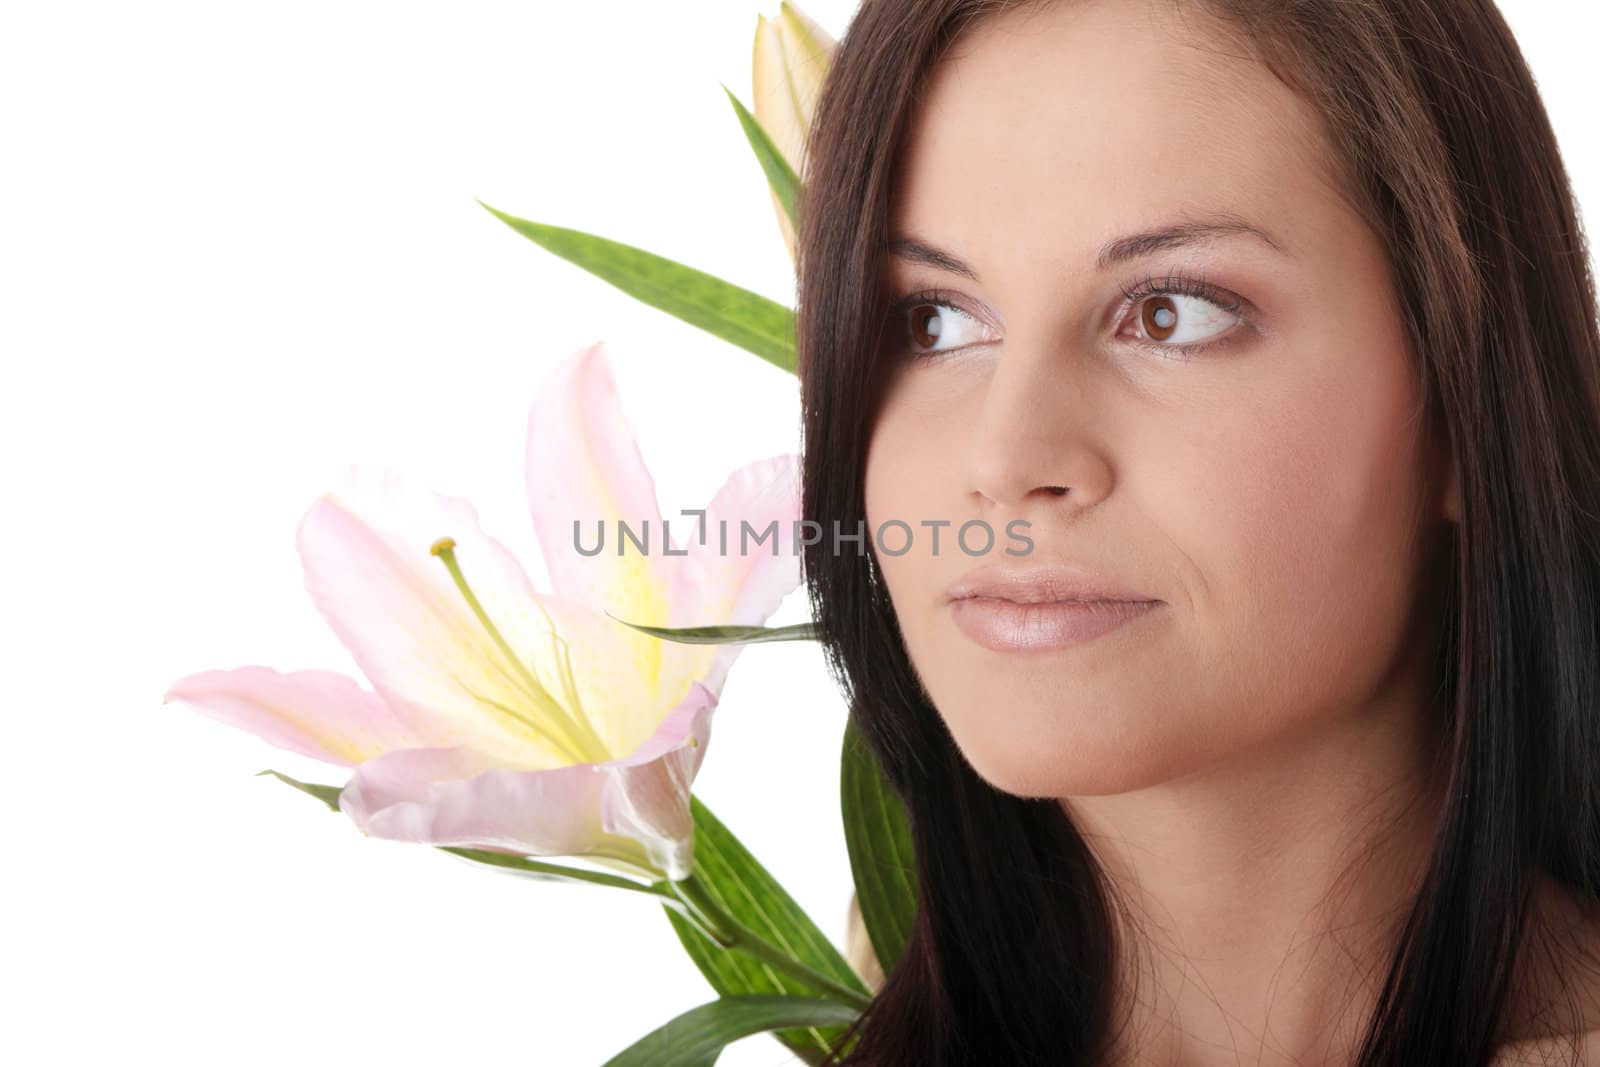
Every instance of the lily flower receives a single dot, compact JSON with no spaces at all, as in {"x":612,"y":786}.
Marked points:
{"x":500,"y":716}
{"x":792,"y":55}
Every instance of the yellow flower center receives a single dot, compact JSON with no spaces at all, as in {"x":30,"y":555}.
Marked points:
{"x":570,"y":732}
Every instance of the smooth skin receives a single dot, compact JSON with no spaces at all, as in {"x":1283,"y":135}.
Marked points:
{"x":1248,"y":760}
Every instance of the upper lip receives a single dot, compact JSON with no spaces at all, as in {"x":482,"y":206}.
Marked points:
{"x":1042,"y":584}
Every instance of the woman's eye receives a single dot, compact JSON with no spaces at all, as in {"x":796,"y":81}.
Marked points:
{"x":928,"y":323}
{"x":1177,"y":320}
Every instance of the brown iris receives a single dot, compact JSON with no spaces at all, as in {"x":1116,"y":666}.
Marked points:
{"x":1160,"y":317}
{"x":920,"y":315}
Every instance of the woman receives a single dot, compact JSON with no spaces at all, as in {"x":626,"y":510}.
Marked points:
{"x":1260,"y":338}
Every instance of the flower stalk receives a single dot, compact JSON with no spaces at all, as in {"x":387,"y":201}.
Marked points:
{"x":730,"y":933}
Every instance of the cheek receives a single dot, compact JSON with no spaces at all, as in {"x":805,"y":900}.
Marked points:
{"x":909,"y":477}
{"x":1298,"y":520}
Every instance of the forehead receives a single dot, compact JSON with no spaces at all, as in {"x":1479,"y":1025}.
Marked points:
{"x":1048,"y":128}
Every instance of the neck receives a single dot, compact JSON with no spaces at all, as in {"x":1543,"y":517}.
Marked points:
{"x":1263,"y":896}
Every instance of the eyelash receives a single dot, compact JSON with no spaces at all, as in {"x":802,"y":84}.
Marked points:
{"x":1174,"y":284}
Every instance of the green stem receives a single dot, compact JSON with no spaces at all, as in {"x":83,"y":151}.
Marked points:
{"x":549,"y":870}
{"x":734,"y":934}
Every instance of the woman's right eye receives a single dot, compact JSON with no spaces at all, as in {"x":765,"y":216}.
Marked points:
{"x":927,"y":322}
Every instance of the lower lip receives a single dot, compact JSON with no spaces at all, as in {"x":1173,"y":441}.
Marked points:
{"x":1007,"y":626}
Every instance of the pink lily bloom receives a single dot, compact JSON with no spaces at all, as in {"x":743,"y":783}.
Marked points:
{"x":507,"y":718}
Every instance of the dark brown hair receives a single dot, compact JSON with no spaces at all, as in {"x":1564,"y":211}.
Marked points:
{"x":1449,"y":155}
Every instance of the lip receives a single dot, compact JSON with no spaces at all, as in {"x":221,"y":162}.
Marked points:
{"x":1041,"y":607}
{"x":1048,"y":583}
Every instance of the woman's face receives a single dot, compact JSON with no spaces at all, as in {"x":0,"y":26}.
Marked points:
{"x":1240,"y":441}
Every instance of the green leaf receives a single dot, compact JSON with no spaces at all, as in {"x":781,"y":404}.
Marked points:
{"x":742,"y":887}
{"x":697,"y":1037}
{"x":877,"y":835}
{"x":727,"y":635}
{"x":785,"y":183}
{"x":721,"y":308}
{"x":328,"y":794}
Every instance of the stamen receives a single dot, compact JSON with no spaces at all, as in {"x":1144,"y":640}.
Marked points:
{"x":573,"y":740}
{"x":569,"y":684}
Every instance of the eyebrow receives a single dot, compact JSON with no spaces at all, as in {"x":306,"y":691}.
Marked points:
{"x":1118,"y":250}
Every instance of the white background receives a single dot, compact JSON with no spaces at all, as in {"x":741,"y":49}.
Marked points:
{"x":238,"y":250}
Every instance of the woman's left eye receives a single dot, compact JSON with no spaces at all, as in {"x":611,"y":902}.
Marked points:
{"x":1179,"y":320}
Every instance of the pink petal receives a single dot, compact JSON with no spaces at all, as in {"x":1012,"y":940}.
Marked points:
{"x":466,"y":797}
{"x":315,"y":713}
{"x":647,"y":798}
{"x":742,"y":586}
{"x":584,"y":466}
{"x":366,"y":549}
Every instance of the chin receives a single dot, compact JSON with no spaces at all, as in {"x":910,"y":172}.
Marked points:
{"x":1061,"y":747}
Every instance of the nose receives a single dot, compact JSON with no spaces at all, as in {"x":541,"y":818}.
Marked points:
{"x":1033,"y":438}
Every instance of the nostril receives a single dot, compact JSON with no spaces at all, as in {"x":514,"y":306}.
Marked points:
{"x":1057,"y":489}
